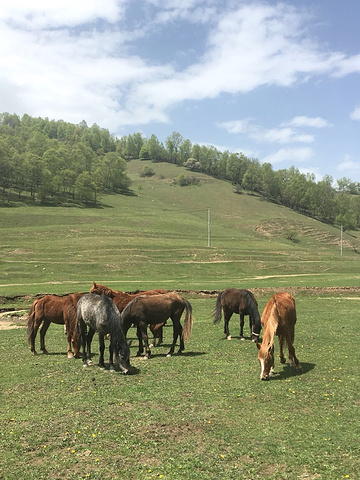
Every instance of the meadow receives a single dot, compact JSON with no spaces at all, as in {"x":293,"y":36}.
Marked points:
{"x":204,"y":414}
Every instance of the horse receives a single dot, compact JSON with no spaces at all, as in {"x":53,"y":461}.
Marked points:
{"x":54,"y":309}
{"x":243,"y":302}
{"x":99,"y":313}
{"x":156,"y":309}
{"x":121,"y":299}
{"x":278,"y":318}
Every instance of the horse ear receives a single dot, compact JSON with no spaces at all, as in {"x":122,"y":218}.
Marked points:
{"x":129,"y":343}
{"x":258,"y":345}
{"x":94,"y":283}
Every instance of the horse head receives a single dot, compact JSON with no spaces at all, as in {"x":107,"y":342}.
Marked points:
{"x":266,"y":360}
{"x":102,"y":290}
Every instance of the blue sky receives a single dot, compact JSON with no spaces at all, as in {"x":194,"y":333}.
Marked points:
{"x":278,"y":81}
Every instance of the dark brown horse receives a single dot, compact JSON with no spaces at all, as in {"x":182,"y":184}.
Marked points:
{"x":243,"y":302}
{"x":121,"y":299}
{"x":278,"y":318}
{"x":54,"y":309}
{"x":147,"y":310}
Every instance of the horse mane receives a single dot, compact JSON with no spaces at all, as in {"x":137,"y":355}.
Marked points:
{"x":270,"y":321}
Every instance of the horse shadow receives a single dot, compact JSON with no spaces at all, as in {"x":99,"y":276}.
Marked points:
{"x":290,"y":371}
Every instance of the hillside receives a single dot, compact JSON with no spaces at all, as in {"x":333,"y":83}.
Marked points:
{"x":159,"y":236}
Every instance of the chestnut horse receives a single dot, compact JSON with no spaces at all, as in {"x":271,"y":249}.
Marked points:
{"x":156,"y":309}
{"x":278,"y":318}
{"x":121,"y":299}
{"x":54,"y":309}
{"x":243,"y":302}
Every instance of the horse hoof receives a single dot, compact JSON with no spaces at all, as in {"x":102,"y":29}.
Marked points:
{"x":70,"y":355}
{"x":85,"y":365}
{"x":111,"y":370}
{"x":168,"y":355}
{"x":102,"y":367}
{"x":228,"y":337}
{"x":242,"y":338}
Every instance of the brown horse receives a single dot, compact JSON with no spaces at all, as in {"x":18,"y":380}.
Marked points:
{"x":121,"y":299}
{"x":54,"y":309}
{"x":243,"y":302}
{"x":156,"y":309}
{"x":278,"y":318}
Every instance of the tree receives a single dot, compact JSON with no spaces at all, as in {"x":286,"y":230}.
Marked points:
{"x":173,"y":143}
{"x":86,"y":188}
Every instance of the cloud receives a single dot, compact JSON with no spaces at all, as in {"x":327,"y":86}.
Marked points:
{"x":77,"y":60}
{"x":355,"y":114}
{"x":289,"y":155}
{"x":274,"y":135}
{"x":349,"y":167}
{"x":303,"y":121}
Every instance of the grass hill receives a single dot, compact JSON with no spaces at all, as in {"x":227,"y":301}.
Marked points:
{"x":158,"y":237}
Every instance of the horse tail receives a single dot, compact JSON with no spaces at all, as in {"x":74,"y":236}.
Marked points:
{"x":218,"y":308}
{"x":31,"y":320}
{"x":189,"y":321}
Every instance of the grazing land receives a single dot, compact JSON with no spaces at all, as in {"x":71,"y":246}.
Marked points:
{"x":204,"y":414}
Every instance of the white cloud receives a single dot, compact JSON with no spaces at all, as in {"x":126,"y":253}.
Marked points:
{"x":348,"y":167}
{"x":56,"y":60}
{"x":303,"y":121}
{"x":260,"y":134}
{"x":355,"y":114}
{"x":289,"y":155}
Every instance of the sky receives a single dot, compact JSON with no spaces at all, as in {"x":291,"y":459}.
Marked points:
{"x":277,"y":81}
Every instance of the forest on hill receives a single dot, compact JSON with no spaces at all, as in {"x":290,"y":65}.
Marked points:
{"x":56,"y":161}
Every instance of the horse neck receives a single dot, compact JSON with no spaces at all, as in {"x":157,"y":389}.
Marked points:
{"x":270,"y":324}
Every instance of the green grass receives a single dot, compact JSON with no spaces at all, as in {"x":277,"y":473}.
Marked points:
{"x":202,"y":415}
{"x":158,"y":238}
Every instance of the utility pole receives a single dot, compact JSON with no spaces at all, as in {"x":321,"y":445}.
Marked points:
{"x":341,"y":239}
{"x":208,"y":227}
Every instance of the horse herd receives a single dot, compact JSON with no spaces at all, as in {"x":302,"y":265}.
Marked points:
{"x":111,"y":313}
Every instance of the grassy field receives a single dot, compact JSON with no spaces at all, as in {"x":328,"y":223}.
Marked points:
{"x":158,"y":238}
{"x":202,"y":415}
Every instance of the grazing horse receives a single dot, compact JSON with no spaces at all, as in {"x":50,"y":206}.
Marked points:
{"x":278,"y":318}
{"x":54,"y":309}
{"x":99,"y":313}
{"x":156,"y":309}
{"x":121,"y":299}
{"x":243,"y":302}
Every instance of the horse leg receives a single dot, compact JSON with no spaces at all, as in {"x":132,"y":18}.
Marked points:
{"x":176,"y":331}
{"x":281,"y":353}
{"x":144,"y":338}
{"x":182,"y":345}
{"x":43,"y":331}
{"x":101,"y":351}
{"x":89,"y":338}
{"x":140,"y":338}
{"x":35,"y":329}
{"x":111,"y":357}
{"x":292,"y":357}
{"x":69,"y":336}
{"x":82,"y":328}
{"x":242,"y":318}
{"x":227,"y":316}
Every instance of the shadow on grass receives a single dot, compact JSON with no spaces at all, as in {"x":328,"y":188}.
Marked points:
{"x":289,"y":371}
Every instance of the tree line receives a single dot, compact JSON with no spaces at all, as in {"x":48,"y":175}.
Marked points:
{"x":62,"y":161}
